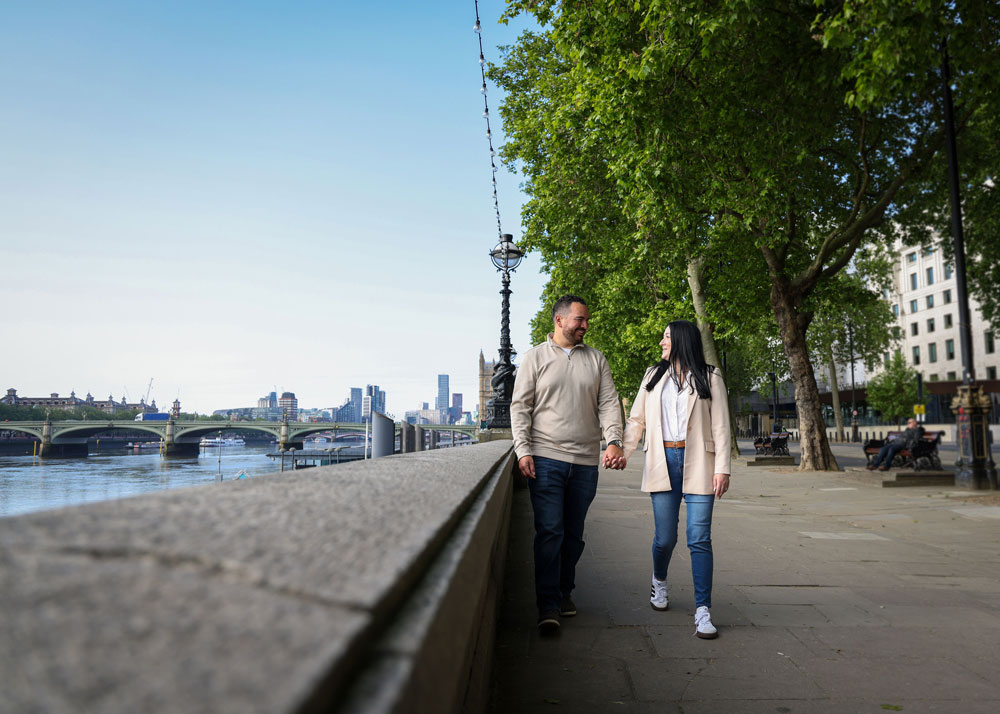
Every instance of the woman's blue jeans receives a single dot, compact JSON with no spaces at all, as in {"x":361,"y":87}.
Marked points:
{"x":561,"y":493}
{"x":666,"y":513}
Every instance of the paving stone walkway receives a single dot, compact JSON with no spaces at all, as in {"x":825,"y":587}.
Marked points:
{"x":831,"y":596}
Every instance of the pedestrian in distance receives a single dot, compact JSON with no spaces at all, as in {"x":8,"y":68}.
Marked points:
{"x":907,"y":440}
{"x":683,"y":407}
{"x":564,"y":400}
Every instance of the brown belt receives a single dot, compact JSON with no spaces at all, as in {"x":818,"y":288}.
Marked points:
{"x":673,"y":444}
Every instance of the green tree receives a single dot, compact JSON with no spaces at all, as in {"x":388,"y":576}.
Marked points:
{"x":776,"y":137}
{"x":852,"y":320}
{"x":893,"y":392}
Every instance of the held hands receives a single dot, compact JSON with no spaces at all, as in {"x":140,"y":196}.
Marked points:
{"x":614,"y":458}
{"x":721,"y":484}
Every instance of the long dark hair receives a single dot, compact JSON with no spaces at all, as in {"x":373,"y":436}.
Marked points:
{"x":686,"y":355}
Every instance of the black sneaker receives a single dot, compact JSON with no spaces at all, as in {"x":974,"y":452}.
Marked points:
{"x":567,"y":608}
{"x":548,"y":622}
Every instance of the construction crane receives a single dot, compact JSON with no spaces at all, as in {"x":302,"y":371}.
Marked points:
{"x":148,"y":390}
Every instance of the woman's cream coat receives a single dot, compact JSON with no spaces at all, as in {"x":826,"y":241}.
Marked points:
{"x":707,"y":440}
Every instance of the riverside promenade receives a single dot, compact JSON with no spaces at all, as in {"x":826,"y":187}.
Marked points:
{"x":831,"y":596}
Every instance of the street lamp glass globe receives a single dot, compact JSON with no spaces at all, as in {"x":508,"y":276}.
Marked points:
{"x":506,"y":255}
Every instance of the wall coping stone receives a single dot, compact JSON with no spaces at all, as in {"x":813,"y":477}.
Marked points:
{"x":244,"y":596}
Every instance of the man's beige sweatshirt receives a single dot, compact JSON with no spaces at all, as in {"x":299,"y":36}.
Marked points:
{"x":562,"y":401}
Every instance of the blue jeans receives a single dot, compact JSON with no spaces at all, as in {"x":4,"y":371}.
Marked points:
{"x":666,"y":513}
{"x":561,"y":493}
{"x":888,"y":452}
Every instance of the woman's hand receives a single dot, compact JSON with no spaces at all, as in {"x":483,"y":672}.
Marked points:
{"x":721,"y":484}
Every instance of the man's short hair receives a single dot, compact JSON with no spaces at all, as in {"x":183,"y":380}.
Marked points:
{"x":563,"y":303}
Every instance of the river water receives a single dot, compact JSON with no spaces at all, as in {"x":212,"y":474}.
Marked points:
{"x":32,"y":484}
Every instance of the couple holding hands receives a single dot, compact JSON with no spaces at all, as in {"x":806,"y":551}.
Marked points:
{"x":564,"y":401}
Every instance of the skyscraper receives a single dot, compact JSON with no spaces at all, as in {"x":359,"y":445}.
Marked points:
{"x":378,"y":397}
{"x":289,"y":405}
{"x":356,"y":394}
{"x":441,"y":402}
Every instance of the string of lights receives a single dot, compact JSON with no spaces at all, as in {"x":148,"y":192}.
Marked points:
{"x":478,"y":29}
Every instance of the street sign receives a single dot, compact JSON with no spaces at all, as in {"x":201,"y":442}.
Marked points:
{"x":854,"y":413}
{"x":919,"y":409}
{"x":366,"y":407}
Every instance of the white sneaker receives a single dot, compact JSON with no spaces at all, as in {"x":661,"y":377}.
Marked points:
{"x":658,"y":594}
{"x":703,"y":624}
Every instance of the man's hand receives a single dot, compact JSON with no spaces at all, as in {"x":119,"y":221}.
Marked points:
{"x":721,"y":484}
{"x":614,"y":458}
{"x":527,"y":466}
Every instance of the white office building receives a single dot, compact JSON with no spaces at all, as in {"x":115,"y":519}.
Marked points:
{"x":924,"y":299}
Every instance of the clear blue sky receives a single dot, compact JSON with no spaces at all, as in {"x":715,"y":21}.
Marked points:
{"x":230,"y":197}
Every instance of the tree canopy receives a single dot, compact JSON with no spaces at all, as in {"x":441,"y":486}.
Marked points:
{"x":772,"y":139}
{"x":893,"y":391}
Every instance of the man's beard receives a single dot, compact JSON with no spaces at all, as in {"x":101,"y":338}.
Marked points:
{"x":573,"y":337}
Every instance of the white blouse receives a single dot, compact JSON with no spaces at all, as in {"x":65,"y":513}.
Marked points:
{"x":673,"y":409}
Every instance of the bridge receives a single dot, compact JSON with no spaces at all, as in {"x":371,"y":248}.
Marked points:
{"x":182,"y":438}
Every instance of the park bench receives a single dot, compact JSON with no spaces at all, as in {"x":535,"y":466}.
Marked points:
{"x":772,"y":445}
{"x":922,"y":457}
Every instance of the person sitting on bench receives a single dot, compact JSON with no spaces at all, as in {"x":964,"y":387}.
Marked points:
{"x":907,"y":440}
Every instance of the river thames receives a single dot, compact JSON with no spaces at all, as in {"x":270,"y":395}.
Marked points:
{"x":30,"y":484}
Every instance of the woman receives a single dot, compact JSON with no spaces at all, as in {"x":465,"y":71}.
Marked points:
{"x":682,"y":403}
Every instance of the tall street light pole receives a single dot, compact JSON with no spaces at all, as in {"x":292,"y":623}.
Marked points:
{"x":506,"y":256}
{"x":974,"y":468}
{"x":854,"y":404}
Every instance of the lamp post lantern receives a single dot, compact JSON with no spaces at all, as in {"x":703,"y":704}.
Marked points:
{"x":506,"y":256}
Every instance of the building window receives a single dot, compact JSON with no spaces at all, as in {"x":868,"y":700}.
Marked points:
{"x":949,"y":349}
{"x":913,"y":281}
{"x":991,"y":346}
{"x":914,"y":329}
{"x":933,"y":378}
{"x":930,"y":301}
{"x":932,"y":352}
{"x":928,"y":252}
{"x":911,"y":257}
{"x":930,"y":276}
{"x":951,"y":376}
{"x":947,"y":270}
{"x":885,"y":358}
{"x":947,"y":320}
{"x":913,"y":305}
{"x":895,"y":310}
{"x":991,"y":373}
{"x":895,"y":332}
{"x":916,"y":355}
{"x":930,"y":324}
{"x":946,"y":296}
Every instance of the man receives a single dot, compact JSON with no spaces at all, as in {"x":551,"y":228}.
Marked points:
{"x":907,"y":440}
{"x":563,"y":398}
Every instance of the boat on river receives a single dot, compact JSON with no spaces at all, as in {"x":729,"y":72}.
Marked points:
{"x":221,"y":441}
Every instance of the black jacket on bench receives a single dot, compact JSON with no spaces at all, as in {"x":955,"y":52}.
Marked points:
{"x":911,"y":437}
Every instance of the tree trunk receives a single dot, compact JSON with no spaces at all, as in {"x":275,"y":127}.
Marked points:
{"x":708,"y":340}
{"x":816,"y":453}
{"x":835,"y":393}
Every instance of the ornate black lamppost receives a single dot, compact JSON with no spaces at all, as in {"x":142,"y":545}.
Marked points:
{"x":974,"y":468}
{"x":506,"y":256}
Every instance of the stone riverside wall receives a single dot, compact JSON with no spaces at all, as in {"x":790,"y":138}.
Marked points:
{"x":362,"y":587}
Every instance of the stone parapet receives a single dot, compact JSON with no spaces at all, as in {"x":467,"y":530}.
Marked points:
{"x":369,"y":586}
